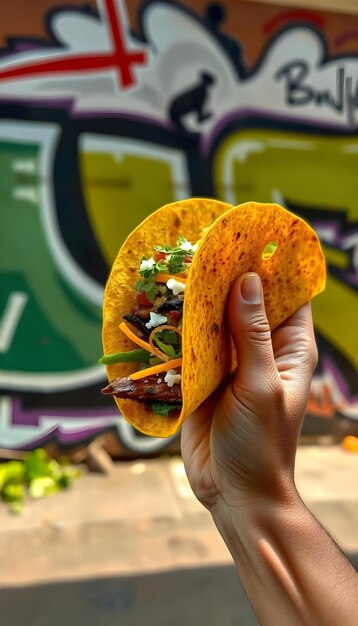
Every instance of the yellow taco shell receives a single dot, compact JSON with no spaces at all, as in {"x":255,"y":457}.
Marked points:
{"x":238,"y":240}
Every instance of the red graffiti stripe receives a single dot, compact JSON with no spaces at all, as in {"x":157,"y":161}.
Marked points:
{"x":306,"y":16}
{"x":124,"y":58}
{"x":120,"y":59}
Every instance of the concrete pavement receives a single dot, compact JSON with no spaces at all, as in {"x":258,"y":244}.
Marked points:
{"x":137,"y":545}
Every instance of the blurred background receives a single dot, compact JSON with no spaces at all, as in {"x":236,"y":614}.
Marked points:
{"x":108,"y":110}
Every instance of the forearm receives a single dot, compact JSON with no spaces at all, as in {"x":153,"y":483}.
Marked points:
{"x":292,"y":571}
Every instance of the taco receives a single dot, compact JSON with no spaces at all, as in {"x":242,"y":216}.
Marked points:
{"x":166,"y":344}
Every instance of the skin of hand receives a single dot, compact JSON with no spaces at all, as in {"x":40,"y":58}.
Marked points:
{"x":242,"y":441}
{"x":239,"y":451}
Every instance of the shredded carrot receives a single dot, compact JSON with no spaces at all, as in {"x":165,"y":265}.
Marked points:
{"x":157,"y":369}
{"x":143,"y":344}
{"x":163,"y":278}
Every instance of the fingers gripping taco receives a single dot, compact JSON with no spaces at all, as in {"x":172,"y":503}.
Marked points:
{"x":165,"y":340}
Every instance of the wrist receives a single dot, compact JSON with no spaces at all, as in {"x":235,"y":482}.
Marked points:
{"x":248,"y":516}
{"x":274,"y":490}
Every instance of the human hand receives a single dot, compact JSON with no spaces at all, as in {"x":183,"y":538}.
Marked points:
{"x":242,"y":441}
{"x":239,"y":451}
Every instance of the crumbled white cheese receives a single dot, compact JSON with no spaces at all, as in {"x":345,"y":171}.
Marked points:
{"x":186,"y":245}
{"x":175,"y":286}
{"x":171,"y":378}
{"x":156,"y":320}
{"x":160,"y":380}
{"x":146,"y":264}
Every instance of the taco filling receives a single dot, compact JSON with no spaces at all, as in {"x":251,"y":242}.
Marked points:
{"x":155,"y":325}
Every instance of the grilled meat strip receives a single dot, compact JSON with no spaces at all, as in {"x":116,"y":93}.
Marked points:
{"x":146,"y":389}
{"x":138,"y":323}
{"x":175,"y":304}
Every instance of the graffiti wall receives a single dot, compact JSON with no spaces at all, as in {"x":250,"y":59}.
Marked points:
{"x":109,"y":110}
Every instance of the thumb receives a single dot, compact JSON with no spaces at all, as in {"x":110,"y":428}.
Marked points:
{"x":251,"y":334}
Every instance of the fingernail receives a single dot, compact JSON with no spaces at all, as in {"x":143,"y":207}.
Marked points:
{"x":251,"y":289}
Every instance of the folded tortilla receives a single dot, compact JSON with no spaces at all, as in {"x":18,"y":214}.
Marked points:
{"x":252,"y":237}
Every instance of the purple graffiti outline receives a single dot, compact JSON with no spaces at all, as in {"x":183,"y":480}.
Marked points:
{"x":351,"y":278}
{"x":330,"y":367}
{"x":31,"y":417}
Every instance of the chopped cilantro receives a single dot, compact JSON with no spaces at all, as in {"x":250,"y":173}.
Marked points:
{"x":148,"y":272}
{"x":157,"y":268}
{"x":160,"y":267}
{"x":162,"y":408}
{"x":168,"y":342}
{"x":169,"y":336}
{"x":167,"y":349}
{"x":166,"y":249}
{"x":176,"y":248}
{"x":176,"y":262}
{"x":149,"y":287}
{"x":172,"y":264}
